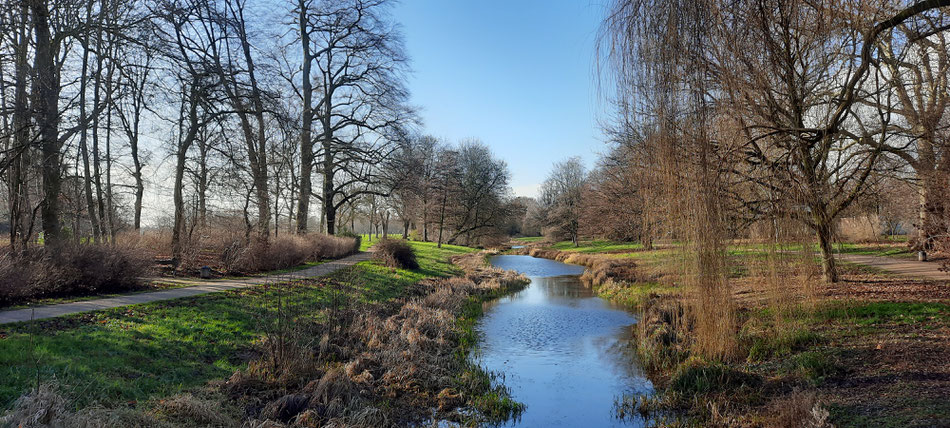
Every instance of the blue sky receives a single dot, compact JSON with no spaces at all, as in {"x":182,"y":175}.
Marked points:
{"x":518,"y":75}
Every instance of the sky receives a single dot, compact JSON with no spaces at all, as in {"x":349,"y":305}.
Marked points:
{"x":519,"y":75}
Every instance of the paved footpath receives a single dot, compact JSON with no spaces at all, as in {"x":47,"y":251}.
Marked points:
{"x":910,"y":268}
{"x":201,"y":287}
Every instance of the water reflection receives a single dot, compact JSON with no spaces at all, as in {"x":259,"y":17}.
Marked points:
{"x":565,"y":353}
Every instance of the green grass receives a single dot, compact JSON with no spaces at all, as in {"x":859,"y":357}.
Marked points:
{"x":879,"y":313}
{"x":368,"y":240}
{"x":696,"y":377}
{"x":636,"y":294}
{"x":597,"y":246}
{"x":782,"y":344}
{"x":530,"y":239}
{"x":154,"y":350}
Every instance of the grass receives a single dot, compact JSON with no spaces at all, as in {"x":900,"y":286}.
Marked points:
{"x":880,"y":313}
{"x":634,"y":295}
{"x":699,"y":377}
{"x":529,"y":239}
{"x":597,"y":246}
{"x":134,"y":353}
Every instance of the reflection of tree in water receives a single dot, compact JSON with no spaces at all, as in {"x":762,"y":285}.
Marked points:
{"x":563,"y":286}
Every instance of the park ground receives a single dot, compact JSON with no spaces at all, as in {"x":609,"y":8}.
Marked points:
{"x":137,"y":358}
{"x":870,"y":350}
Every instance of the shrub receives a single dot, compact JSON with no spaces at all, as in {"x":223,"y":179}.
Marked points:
{"x":291,"y":250}
{"x":396,"y":253}
{"x":73,"y":270}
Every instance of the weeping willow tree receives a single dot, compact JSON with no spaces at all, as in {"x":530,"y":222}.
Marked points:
{"x":664,"y":95}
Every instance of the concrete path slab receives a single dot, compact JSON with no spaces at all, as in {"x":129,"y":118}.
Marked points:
{"x":202,"y":287}
{"x":909,"y":268}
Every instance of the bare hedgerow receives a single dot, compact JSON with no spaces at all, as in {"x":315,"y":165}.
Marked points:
{"x":68,"y":270}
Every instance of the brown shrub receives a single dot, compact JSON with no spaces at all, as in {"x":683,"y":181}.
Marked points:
{"x":291,"y":250}
{"x":228,"y":250}
{"x":74,"y":270}
{"x":396,"y":253}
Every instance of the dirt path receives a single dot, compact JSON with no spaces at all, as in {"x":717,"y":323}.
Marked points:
{"x":910,"y":268}
{"x":201,"y":287}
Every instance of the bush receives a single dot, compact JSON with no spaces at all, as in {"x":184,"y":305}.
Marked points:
{"x":73,"y":270}
{"x":292,"y":250}
{"x":396,"y":253}
{"x":227,"y":251}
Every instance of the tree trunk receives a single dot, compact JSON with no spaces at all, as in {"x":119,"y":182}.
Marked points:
{"x":84,"y":136}
{"x":96,"y":162}
{"x":203,"y":183}
{"x":306,"y":142}
{"x":329,"y":209}
{"x":46,"y":111}
{"x":442,"y":218}
{"x":425,"y":221}
{"x":139,"y":183}
{"x":19,"y":201}
{"x":110,"y":208}
{"x":181,"y":156}
{"x":829,"y":270}
{"x":927,"y":190}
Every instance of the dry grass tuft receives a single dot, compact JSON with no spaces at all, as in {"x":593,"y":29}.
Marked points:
{"x":194,"y":410}
{"x":46,"y":407}
{"x":800,"y":409}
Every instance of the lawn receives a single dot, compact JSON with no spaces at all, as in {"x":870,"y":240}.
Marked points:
{"x":598,"y":246}
{"x":134,"y":353}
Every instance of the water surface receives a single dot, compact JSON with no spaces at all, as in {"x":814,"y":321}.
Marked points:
{"x":564,"y":352}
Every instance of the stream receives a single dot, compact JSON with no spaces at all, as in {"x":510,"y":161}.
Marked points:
{"x":564,"y":352}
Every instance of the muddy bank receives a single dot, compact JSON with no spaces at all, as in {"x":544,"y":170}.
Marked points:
{"x":397,"y":363}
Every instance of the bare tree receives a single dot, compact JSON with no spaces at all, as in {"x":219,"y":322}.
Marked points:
{"x":914,"y":60}
{"x":480,"y":185}
{"x":560,"y":199}
{"x":355,"y":62}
